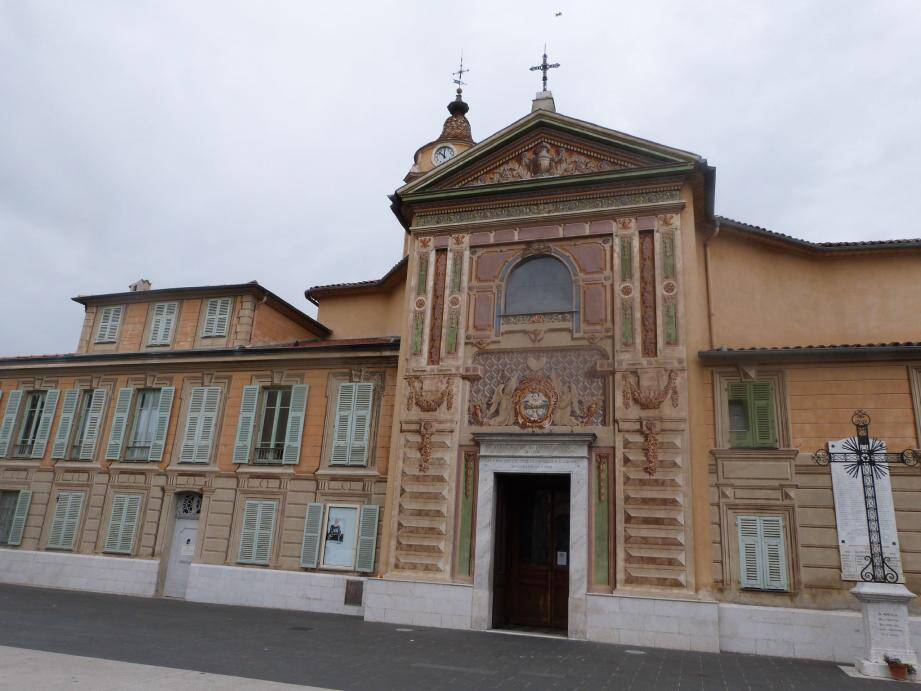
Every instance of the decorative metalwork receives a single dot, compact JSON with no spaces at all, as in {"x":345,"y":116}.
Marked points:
{"x":544,"y":68}
{"x":188,"y":505}
{"x":865,"y":457}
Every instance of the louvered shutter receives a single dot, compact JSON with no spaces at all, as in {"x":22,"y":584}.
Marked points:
{"x":242,"y":445}
{"x":9,"y":420}
{"x":93,"y":424}
{"x":738,"y":391}
{"x":774,"y":556}
{"x":207,"y":424}
{"x":217,"y":317}
{"x":119,"y":424}
{"x":294,"y":432}
{"x":164,"y":409}
{"x":313,"y":526}
{"x":66,"y":519}
{"x":763,"y":424}
{"x":256,"y":532}
{"x":44,"y":425}
{"x":750,"y":554}
{"x":343,"y":427}
{"x":62,"y":436}
{"x":109,"y":322}
{"x":20,"y":514}
{"x":210,"y":318}
{"x":265,"y":532}
{"x":126,"y":509}
{"x":193,"y":418}
{"x":367,"y":538}
{"x":361,"y":424}
{"x":162,"y":323}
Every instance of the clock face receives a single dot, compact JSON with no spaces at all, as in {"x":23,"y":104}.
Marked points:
{"x":442,"y":154}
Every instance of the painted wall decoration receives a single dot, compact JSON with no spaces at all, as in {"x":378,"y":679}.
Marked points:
{"x":649,"y":399}
{"x":428,"y":402}
{"x":537,"y":389}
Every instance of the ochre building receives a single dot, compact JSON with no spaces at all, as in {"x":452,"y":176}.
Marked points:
{"x":581,"y":402}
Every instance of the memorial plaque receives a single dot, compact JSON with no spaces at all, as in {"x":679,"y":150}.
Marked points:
{"x":851,"y":517}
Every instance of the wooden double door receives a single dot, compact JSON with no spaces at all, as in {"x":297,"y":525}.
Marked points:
{"x":531,"y":576}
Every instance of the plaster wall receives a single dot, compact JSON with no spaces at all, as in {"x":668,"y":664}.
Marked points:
{"x":364,"y":315}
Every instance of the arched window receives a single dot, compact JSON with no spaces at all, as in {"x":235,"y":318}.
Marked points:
{"x":540,"y":284}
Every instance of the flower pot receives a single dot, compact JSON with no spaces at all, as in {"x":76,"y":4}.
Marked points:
{"x":898,"y":671}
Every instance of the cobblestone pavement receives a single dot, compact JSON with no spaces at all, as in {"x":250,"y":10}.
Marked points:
{"x":342,"y":652}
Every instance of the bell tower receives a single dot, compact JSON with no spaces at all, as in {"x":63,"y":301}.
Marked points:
{"x":455,"y":135}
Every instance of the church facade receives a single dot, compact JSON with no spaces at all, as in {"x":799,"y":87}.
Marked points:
{"x":582,"y":402}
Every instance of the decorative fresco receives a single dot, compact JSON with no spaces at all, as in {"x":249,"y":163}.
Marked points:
{"x":538,"y":389}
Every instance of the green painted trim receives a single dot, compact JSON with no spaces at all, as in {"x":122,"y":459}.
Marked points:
{"x":671,"y":323}
{"x":465,"y":527}
{"x":626,"y":259}
{"x":418,"y":325}
{"x":602,"y":537}
{"x":626,"y":322}
{"x":453,"y":327}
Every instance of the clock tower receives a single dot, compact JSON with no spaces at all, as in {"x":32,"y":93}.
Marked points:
{"x":455,"y":138}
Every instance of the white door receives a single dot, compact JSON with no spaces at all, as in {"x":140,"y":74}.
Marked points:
{"x":182,"y":548}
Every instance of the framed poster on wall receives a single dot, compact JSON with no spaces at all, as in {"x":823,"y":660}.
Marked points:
{"x":340,"y":533}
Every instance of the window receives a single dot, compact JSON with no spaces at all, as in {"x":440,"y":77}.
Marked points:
{"x":353,"y":424}
{"x":109,"y":321}
{"x":28,"y":429}
{"x":201,"y":421}
{"x":82,"y":421}
{"x":762,"y":555}
{"x":276,"y":403}
{"x":332,"y":531}
{"x":63,"y":531}
{"x":540,"y":284}
{"x":217,"y":317}
{"x":752,"y":422}
{"x":281,"y":412}
{"x":162,"y":323}
{"x":14,"y":510}
{"x":145,"y":425}
{"x":123,"y":522}
{"x":257,"y":531}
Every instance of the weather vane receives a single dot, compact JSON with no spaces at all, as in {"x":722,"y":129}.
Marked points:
{"x":544,"y":67}
{"x":460,"y":73}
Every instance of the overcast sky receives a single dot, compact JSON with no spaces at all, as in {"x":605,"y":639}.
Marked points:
{"x":195,"y":143}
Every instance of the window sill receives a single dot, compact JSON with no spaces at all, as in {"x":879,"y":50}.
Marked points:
{"x":192,"y":468}
{"x":353,"y":472}
{"x":78,"y":465}
{"x":21,"y":462}
{"x":149,"y":466}
{"x":263,"y":469}
{"x":729,"y":454}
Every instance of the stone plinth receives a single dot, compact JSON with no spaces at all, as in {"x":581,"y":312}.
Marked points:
{"x":885,"y":623}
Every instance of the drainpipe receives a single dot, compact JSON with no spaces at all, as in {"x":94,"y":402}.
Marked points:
{"x":716,"y":231}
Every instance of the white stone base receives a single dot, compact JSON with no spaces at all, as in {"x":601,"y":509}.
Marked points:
{"x":101,"y":574}
{"x":254,"y":587}
{"x":653,"y":622}
{"x":444,"y":605}
{"x":886,"y":628}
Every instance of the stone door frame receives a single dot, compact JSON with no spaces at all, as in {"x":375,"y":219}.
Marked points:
{"x":532,"y":453}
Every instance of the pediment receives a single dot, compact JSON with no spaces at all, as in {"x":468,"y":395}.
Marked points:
{"x":547,"y":146}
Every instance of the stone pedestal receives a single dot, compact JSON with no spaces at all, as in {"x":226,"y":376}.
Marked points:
{"x":885,"y":624}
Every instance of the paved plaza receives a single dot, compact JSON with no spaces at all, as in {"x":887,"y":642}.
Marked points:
{"x":57,"y":639}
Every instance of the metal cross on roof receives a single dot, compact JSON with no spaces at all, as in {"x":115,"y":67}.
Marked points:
{"x":460,"y":73}
{"x":865,"y":457}
{"x":544,"y":67}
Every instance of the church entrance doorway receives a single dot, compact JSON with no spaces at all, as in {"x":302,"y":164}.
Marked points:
{"x":531,"y":573}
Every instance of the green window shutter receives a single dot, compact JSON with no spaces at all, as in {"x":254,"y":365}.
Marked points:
{"x":342,"y":433}
{"x":206,"y":425}
{"x":162,"y":323}
{"x":126,"y":509}
{"x":109,"y":322}
{"x":367,"y":538}
{"x":750,"y":553}
{"x":192,"y":423}
{"x":294,"y":431}
{"x":20,"y":514}
{"x":62,"y":436}
{"x":164,"y":409}
{"x":773,"y":555}
{"x":313,"y":527}
{"x":257,"y":531}
{"x":740,"y":433}
{"x":9,"y":420}
{"x":44,"y":425}
{"x":93,"y":424}
{"x":361,"y":424}
{"x":119,"y":424}
{"x":217,"y":317}
{"x":243,"y":444}
{"x":763,"y":423}
{"x":63,"y":529}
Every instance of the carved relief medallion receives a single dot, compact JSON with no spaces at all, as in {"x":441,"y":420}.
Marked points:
{"x":535,"y":400}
